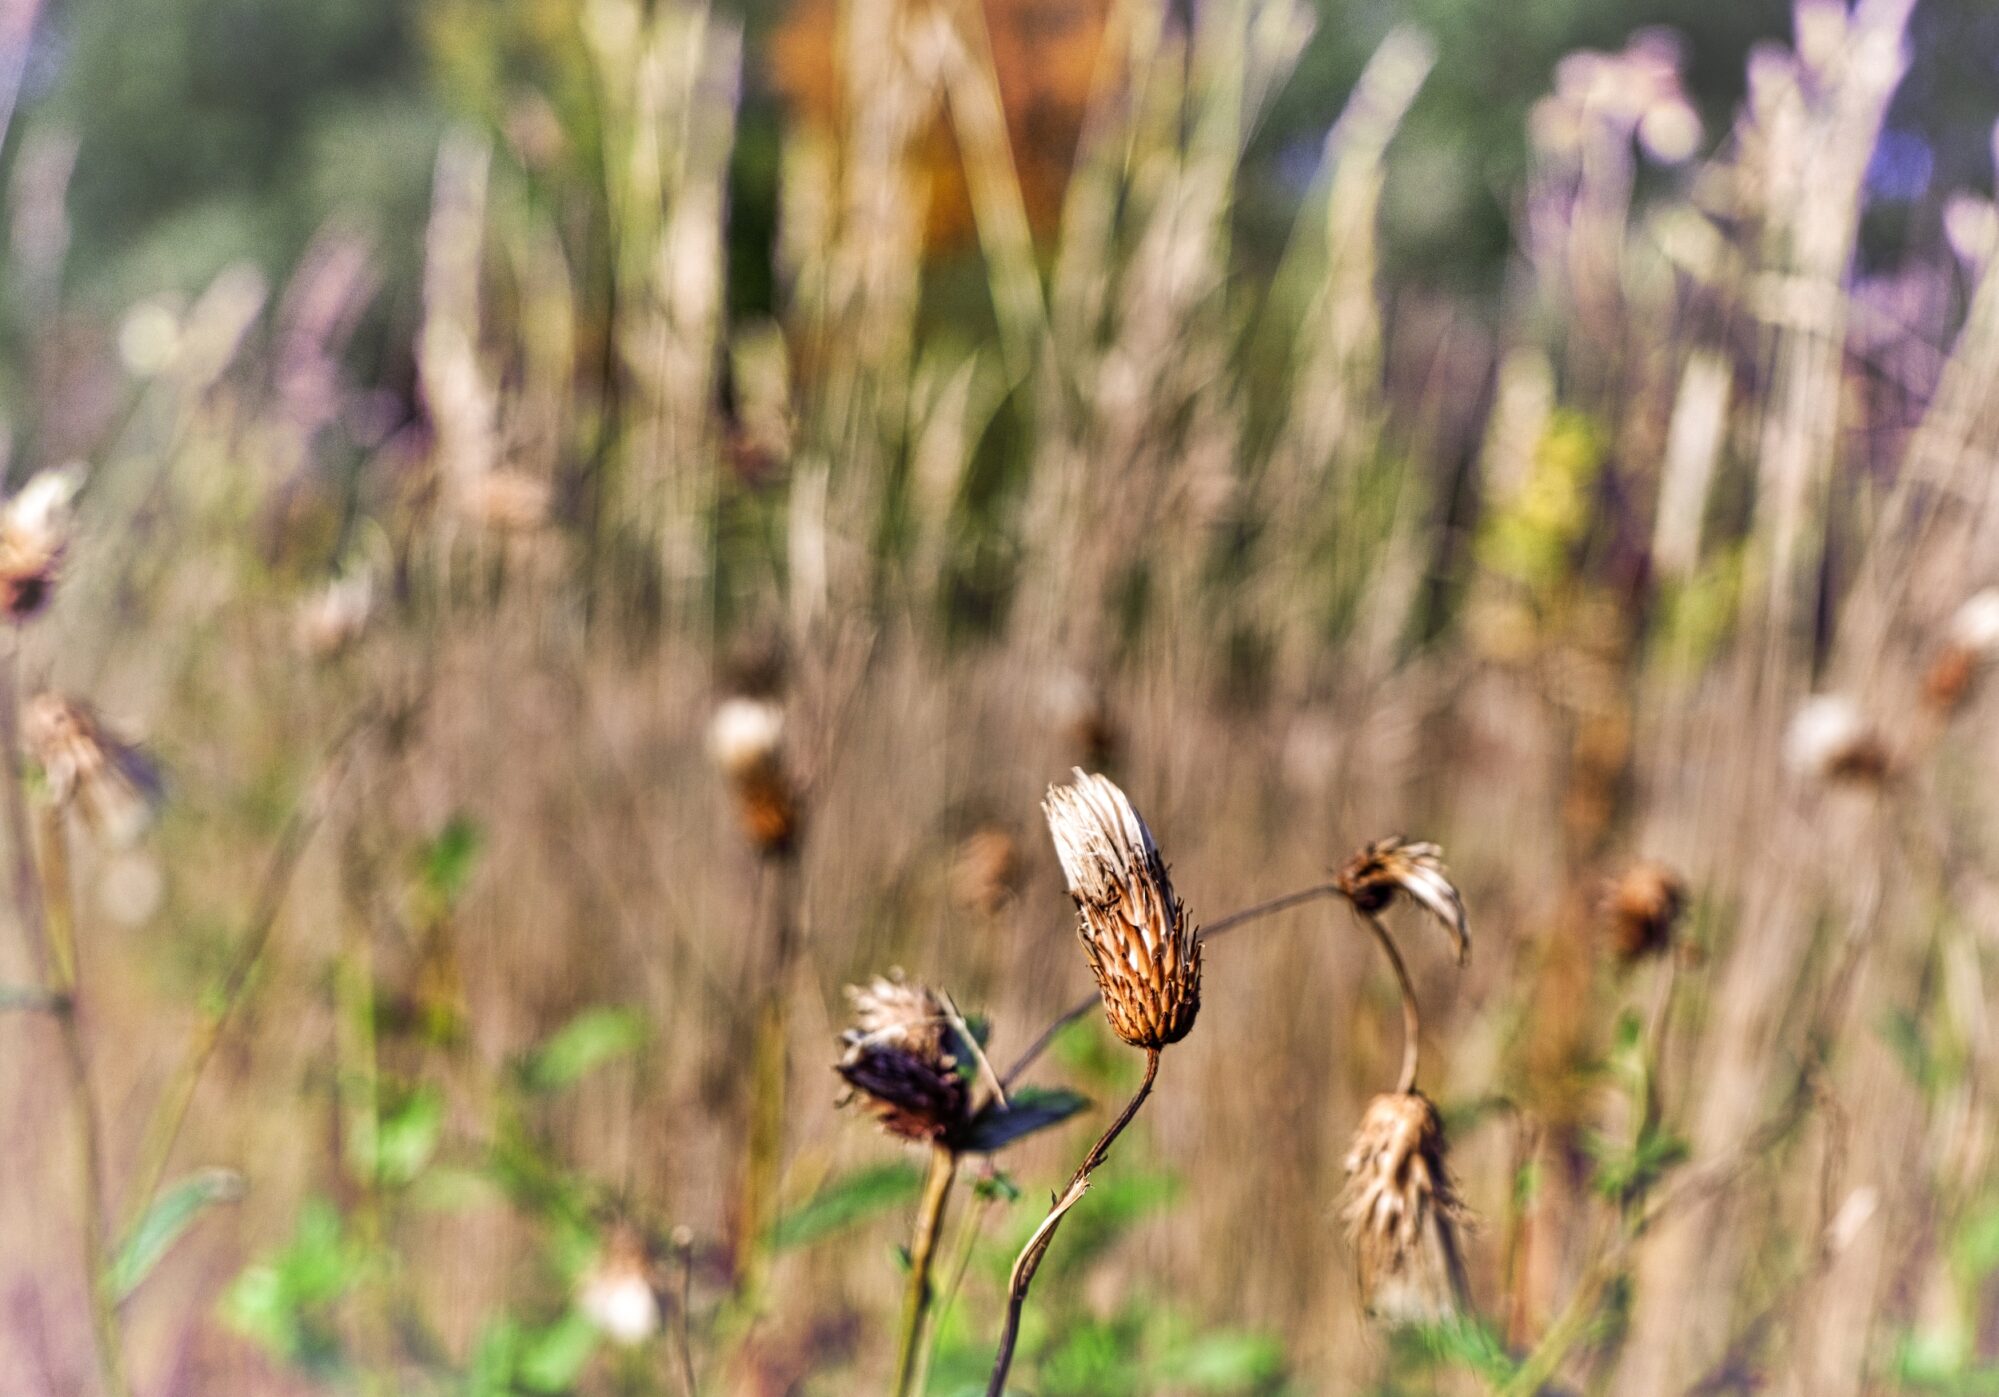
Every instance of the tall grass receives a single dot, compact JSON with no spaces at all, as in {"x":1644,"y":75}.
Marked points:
{"x":1300,"y":555}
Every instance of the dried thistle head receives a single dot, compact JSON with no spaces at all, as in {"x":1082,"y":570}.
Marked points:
{"x":334,"y":617}
{"x":1641,"y":906}
{"x":1379,"y":870}
{"x":985,"y":870}
{"x":1402,"y":1213}
{"x":34,"y":537}
{"x":1146,"y":956}
{"x":1830,"y":739}
{"x":1971,"y":641}
{"x":617,"y":1294}
{"x":110,"y":783}
{"x":746,"y":738}
{"x":900,"y":1059}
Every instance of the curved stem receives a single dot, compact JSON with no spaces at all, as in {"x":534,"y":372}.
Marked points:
{"x":1412,"y":1021}
{"x":922,"y":1246}
{"x":1029,"y":1260}
{"x":1240,"y":917}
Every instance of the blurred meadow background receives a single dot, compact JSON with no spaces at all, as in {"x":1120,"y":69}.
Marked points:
{"x":604,"y":517}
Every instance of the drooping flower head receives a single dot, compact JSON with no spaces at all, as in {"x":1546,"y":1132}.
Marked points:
{"x":1373,"y":876}
{"x":34,"y":537}
{"x":113,"y":785}
{"x":1402,"y":1214}
{"x":1145,"y":954}
{"x":1641,"y":907}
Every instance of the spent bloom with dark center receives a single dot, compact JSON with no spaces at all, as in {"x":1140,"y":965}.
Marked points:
{"x":1402,"y":1213}
{"x":113,"y":785}
{"x":34,"y":537}
{"x":1641,"y":907}
{"x":1373,"y":877}
{"x":901,"y":1059}
{"x":1144,"y":952}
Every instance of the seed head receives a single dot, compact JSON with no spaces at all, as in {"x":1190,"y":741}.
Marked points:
{"x":1146,"y":956}
{"x":34,"y":536}
{"x":1402,"y":1213}
{"x":1641,"y":906}
{"x":112,"y":784}
{"x":333,"y":618}
{"x":900,"y":1059}
{"x":616,"y":1295}
{"x":745,"y":737}
{"x":1378,"y":871}
{"x":1830,"y":739}
{"x":985,"y":870}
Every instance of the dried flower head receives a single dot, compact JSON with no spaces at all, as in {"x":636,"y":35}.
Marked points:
{"x":900,"y":1059}
{"x":746,"y":737}
{"x":1829,"y":739}
{"x":1971,"y":641}
{"x":1641,"y":907}
{"x":111,"y":784}
{"x":985,"y":870}
{"x":333,"y":618}
{"x":616,"y":1295}
{"x":1402,"y":1213}
{"x":1378,"y":871}
{"x":1146,"y":956}
{"x":34,"y":536}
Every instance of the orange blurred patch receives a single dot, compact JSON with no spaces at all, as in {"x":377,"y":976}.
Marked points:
{"x":1044,"y":57}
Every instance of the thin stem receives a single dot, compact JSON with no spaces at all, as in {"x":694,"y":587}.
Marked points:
{"x":170,"y":1112}
{"x":922,"y":1246}
{"x":969,"y":1229}
{"x":1412,"y":1021}
{"x":1240,"y":917}
{"x":764,"y":1147}
{"x":684,"y":1326}
{"x":44,"y":910}
{"x":1030,"y":1257}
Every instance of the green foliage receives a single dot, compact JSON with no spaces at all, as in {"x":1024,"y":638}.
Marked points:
{"x":1465,"y":1343}
{"x":406,"y":1135}
{"x":512,"y":1358}
{"x":446,"y":863}
{"x":845,"y":1202}
{"x":285,"y":1302}
{"x":1028,"y":1110}
{"x":166,"y":1220}
{"x":588,"y":1041}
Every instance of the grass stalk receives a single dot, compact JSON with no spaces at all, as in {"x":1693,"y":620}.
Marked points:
{"x":1031,"y":1255}
{"x":922,"y":1247}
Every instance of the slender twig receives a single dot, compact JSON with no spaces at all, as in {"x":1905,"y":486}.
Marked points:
{"x":922,"y":1246}
{"x":683,"y":1328}
{"x":1030,"y":1257}
{"x":969,"y":1230}
{"x":1240,"y":917}
{"x":170,"y":1112}
{"x":1412,"y":1020}
{"x":51,"y":928}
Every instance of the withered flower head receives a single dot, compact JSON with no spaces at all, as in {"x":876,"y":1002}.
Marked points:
{"x":746,"y":738}
{"x":1146,"y":956}
{"x":113,"y":785}
{"x":900,"y":1059}
{"x":1830,"y":739}
{"x":1402,"y":1213}
{"x":1374,"y":875}
{"x":34,"y":536}
{"x":334,"y":617}
{"x":616,"y":1295}
{"x":1641,"y":906}
{"x":985,"y":870}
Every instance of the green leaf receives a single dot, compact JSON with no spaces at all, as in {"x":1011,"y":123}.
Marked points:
{"x":170,"y":1215}
{"x":1225,"y":1362}
{"x":845,"y":1202}
{"x":552,"y":1359}
{"x":446,"y":862}
{"x":408,"y":1134}
{"x":588,"y":1041}
{"x":1029,"y":1110}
